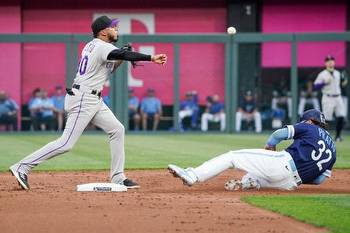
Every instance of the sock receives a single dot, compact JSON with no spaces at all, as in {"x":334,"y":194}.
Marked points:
{"x":339,"y":126}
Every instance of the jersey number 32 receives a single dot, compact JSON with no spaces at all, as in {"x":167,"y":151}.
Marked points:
{"x":321,"y":151}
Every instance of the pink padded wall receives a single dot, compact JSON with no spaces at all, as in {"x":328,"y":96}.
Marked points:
{"x":287,"y":18}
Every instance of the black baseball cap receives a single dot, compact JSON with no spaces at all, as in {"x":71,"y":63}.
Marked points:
{"x":329,"y":58}
{"x":101,"y":23}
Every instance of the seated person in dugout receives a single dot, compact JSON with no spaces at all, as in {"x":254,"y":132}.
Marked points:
{"x":58,"y":103}
{"x":248,"y":112}
{"x":215,"y":112}
{"x":42,"y":111}
{"x":189,"y":108}
{"x":133,"y":104}
{"x":8,"y":112}
{"x":308,"y":160}
{"x":151,"y":108}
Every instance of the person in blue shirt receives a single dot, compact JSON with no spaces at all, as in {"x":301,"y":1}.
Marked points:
{"x":215,"y":112}
{"x":42,"y":109}
{"x":58,"y":103}
{"x":308,"y":160}
{"x":189,"y":108}
{"x":248,"y":111}
{"x":151,"y":107}
{"x":8,"y":111}
{"x":133,"y":105}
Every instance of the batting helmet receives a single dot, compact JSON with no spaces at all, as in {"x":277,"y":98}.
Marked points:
{"x":315,"y":116}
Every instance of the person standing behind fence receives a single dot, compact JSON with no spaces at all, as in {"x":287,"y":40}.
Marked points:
{"x":248,"y":111}
{"x":328,"y":81}
{"x":151,"y":107}
{"x":58,"y":103}
{"x":215,"y":112}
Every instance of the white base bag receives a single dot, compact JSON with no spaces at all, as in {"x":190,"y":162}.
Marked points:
{"x":101,"y":187}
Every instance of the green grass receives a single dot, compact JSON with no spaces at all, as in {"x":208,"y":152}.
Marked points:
{"x":330,"y":211}
{"x":142,"y":151}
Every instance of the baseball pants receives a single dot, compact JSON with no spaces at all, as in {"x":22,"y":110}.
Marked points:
{"x":83,"y":108}
{"x":257,"y":121}
{"x":331,"y":105}
{"x":218,"y":117}
{"x":271,"y":169}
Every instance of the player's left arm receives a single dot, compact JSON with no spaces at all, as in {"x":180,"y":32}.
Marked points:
{"x":276,"y":137}
{"x":121,"y":54}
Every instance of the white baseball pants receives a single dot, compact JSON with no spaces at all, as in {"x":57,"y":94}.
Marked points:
{"x":271,"y":169}
{"x":83,"y":108}
{"x":219,"y":117}
{"x":331,"y":105}
{"x":257,"y":121}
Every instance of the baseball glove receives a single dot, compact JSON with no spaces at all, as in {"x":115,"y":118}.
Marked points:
{"x":128,"y":47}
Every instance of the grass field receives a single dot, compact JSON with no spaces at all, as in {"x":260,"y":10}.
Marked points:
{"x":142,"y":151}
{"x":330,"y":211}
{"x":158,"y":150}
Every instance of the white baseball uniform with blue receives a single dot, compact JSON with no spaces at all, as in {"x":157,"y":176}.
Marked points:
{"x":83,"y":106}
{"x":331,"y":94}
{"x":308,"y":160}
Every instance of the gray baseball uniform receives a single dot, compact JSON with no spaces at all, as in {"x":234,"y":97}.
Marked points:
{"x":84,"y":107}
{"x":331,"y":98}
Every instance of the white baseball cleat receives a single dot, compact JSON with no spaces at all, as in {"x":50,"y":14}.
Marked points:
{"x":186,"y":175}
{"x":234,"y":185}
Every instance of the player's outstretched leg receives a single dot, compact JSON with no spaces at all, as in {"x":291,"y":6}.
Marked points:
{"x":186,"y":175}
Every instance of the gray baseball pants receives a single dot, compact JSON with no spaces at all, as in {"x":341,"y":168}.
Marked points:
{"x":83,"y":108}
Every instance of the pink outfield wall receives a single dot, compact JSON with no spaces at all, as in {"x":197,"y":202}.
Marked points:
{"x":45,"y":64}
{"x":10,"y":59}
{"x":283,"y":18}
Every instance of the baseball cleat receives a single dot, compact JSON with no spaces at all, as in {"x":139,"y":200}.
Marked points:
{"x":233,"y":185}
{"x":130,"y":184}
{"x":21,"y":178}
{"x":183,"y":174}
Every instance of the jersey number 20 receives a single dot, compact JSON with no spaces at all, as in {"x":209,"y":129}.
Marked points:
{"x":321,"y":150}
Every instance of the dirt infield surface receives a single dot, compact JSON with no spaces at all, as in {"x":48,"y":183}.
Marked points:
{"x":162,"y":204}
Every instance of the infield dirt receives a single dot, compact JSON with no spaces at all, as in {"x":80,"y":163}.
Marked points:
{"x":162,"y":204}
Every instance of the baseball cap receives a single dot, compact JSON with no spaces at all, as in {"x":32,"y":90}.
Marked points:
{"x":329,"y":58}
{"x":101,"y":23}
{"x":248,"y":93}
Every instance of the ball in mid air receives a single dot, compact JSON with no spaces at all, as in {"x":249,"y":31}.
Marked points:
{"x":231,"y":30}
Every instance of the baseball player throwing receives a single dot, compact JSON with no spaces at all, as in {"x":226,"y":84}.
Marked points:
{"x":83,"y":103}
{"x":308,"y":160}
{"x":329,"y":81}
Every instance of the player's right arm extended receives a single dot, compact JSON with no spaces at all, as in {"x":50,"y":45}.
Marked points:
{"x":122,"y":54}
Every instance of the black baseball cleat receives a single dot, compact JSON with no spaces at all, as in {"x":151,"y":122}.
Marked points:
{"x":130,"y":184}
{"x":21,"y":178}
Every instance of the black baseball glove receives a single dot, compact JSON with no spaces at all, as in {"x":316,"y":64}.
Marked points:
{"x":128,"y":47}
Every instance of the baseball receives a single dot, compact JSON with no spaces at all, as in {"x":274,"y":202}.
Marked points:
{"x":231,"y":30}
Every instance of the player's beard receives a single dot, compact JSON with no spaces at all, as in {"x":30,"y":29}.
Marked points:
{"x":112,"y":38}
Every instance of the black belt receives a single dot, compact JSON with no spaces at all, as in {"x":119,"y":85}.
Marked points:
{"x":332,"y":95}
{"x":94,"y":92}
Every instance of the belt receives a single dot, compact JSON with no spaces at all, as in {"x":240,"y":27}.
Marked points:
{"x":93,"y":92}
{"x":295,"y":172}
{"x":332,"y":95}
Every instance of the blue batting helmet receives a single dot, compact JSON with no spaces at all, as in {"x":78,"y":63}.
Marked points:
{"x":315,"y":116}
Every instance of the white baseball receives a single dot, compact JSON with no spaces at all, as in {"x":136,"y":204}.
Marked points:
{"x":231,"y":30}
